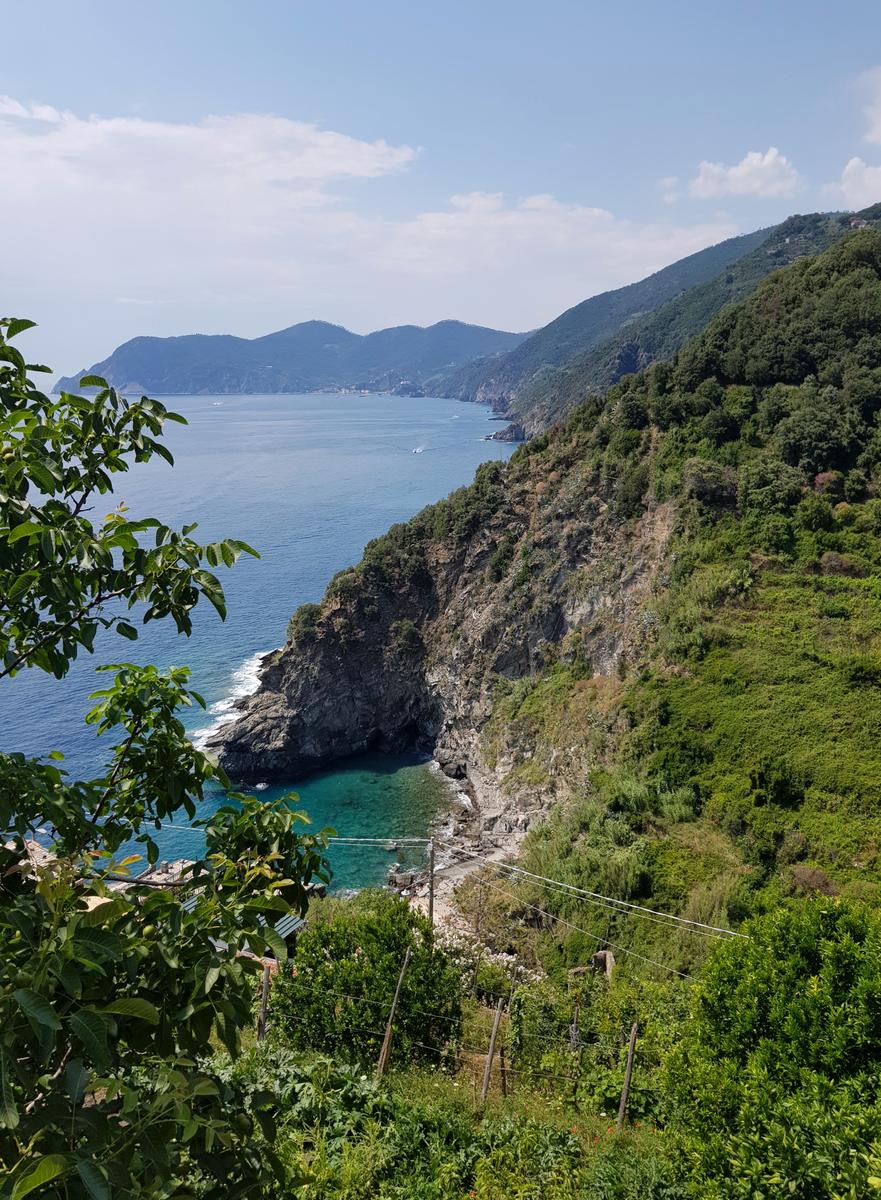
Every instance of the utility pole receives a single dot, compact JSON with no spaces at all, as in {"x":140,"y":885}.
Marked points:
{"x":431,"y":882}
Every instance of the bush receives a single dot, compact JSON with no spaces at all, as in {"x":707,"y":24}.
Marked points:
{"x":708,"y":481}
{"x":632,"y":488}
{"x":304,"y":622}
{"x":337,"y":995}
{"x":775,"y":1085}
{"x":405,"y":637}
{"x":766,"y":486}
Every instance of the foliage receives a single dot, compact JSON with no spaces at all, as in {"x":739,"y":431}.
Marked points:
{"x":59,"y":567}
{"x":775,"y":1082}
{"x":338,"y":992}
{"x":110,"y":997}
{"x":304,"y":622}
{"x":660,"y":330}
{"x":342,"y":1138}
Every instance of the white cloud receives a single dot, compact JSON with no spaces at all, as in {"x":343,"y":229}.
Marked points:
{"x":757,"y":174}
{"x":669,"y":189}
{"x":117,"y":226}
{"x":860,"y":184}
{"x":870,"y":84}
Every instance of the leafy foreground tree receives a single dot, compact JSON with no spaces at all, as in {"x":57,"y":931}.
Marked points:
{"x":110,"y":1000}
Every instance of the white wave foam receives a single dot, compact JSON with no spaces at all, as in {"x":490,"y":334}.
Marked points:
{"x":244,"y":682}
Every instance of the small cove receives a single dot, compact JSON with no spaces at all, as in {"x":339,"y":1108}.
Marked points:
{"x":307,"y":480}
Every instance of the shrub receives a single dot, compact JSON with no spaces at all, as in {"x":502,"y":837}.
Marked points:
{"x":304,"y":622}
{"x":405,"y":637}
{"x":338,"y":993}
{"x":814,"y":514}
{"x":775,"y":1085}
{"x":766,"y":486}
{"x":708,"y":481}
{"x":632,"y":488}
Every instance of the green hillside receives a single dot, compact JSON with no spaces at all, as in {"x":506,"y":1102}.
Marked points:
{"x":589,"y":323}
{"x":659,"y":334}
{"x":661,"y":623}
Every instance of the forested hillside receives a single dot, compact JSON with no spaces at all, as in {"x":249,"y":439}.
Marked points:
{"x":666,"y":612}
{"x":651,"y":647}
{"x":658,"y":335}
{"x":499,"y":379}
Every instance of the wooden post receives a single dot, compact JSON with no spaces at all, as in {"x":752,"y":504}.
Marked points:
{"x":574,"y":1035}
{"x":431,"y":882}
{"x":264,"y":1003}
{"x":487,"y":1070}
{"x":502,"y":1072}
{"x":387,"y":1040}
{"x":628,"y":1071}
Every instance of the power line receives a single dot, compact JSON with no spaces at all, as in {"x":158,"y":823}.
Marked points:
{"x":612,"y":900}
{"x":586,"y":932}
{"x":553,"y":886}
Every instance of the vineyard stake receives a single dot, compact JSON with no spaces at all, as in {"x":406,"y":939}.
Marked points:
{"x":622,"y":1107}
{"x":487,"y":1070}
{"x":387,"y":1040}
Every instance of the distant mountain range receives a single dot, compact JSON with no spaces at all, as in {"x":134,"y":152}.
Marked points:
{"x":533,"y":379}
{"x":311,"y":356}
{"x":594,"y":344}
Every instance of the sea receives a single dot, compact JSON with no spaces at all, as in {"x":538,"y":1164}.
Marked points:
{"x":307,"y":480}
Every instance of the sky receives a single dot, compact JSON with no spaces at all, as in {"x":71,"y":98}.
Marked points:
{"x":207,"y":166}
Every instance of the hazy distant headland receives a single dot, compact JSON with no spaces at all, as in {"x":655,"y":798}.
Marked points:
{"x":312,"y":356}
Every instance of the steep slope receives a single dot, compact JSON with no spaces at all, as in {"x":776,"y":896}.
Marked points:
{"x":665,"y":614}
{"x":498,"y":381}
{"x":659,"y":334}
{"x":310,"y":356}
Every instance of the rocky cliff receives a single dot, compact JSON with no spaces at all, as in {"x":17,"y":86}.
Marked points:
{"x":415,"y":646}
{"x":665,"y":612}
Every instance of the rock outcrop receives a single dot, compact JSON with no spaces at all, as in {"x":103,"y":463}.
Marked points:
{"x":415,"y":646}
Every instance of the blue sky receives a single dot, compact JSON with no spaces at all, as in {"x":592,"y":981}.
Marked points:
{"x":209,"y":166}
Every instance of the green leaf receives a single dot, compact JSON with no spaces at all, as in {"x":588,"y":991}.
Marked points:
{"x":18,"y":325}
{"x":8,"y":1112}
{"x":132,"y":1006}
{"x":37,"y":1008}
{"x":100,"y":942}
{"x":76,"y":1077}
{"x":127,"y":631}
{"x":25,"y":529}
{"x":276,"y":943}
{"x":93,"y":381}
{"x":45,"y":1170}
{"x":88,"y":1026}
{"x":94,"y":1179}
{"x":102,"y":914}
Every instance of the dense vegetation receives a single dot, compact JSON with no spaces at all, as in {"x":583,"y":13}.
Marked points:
{"x":659,"y":333}
{"x":592,"y":322}
{"x":746,"y":738}
{"x":111,"y":1001}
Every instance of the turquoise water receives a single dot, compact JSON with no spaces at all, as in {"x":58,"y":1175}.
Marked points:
{"x":306,"y":480}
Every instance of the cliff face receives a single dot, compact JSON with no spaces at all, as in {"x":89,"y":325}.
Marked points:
{"x":681,"y":585}
{"x":416,"y":645}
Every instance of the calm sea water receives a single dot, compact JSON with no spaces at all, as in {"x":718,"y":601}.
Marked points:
{"x":307,"y":481}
